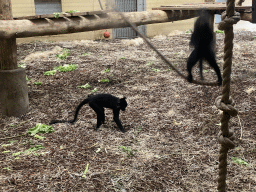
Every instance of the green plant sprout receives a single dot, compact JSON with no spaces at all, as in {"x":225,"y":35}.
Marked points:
{"x":66,"y":68}
{"x":56,"y":15}
{"x":6,"y":151}
{"x":239,"y":161}
{"x":188,"y":31}
{"x":72,"y":11}
{"x":219,"y":31}
{"x":65,"y":53}
{"x":86,"y":86}
{"x":156,"y":70}
{"x":105,"y":71}
{"x":39,"y":137}
{"x":48,"y":73}
{"x":38,"y":83}
{"x":103,"y":80}
{"x":85,"y":171}
{"x":40,"y":128}
{"x":94,"y":90}
{"x":22,"y":65}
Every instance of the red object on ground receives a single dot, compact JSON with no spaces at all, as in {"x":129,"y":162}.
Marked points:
{"x":106,"y":34}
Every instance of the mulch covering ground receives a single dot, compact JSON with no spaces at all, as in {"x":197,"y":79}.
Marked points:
{"x":171,"y":125}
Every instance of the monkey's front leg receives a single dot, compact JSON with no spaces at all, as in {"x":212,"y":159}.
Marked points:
{"x":117,"y":120}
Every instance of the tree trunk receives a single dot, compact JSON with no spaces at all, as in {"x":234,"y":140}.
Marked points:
{"x":13,"y":85}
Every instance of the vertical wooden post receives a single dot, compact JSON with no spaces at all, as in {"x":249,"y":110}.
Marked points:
{"x":13,"y":85}
{"x":253,"y":11}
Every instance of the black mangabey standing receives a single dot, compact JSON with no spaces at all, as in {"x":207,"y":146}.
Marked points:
{"x":202,"y":39}
{"x":97,"y":103}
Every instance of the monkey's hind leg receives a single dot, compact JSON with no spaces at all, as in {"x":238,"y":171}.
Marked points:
{"x":100,"y":113}
{"x":210,"y":57}
{"x":193,"y":58}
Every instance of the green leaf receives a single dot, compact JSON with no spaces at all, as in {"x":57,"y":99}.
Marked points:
{"x":22,"y":66}
{"x":39,"y":137}
{"x":56,"y":15}
{"x":239,"y":161}
{"x":72,"y":11}
{"x":36,"y":148}
{"x":48,"y":73}
{"x":66,"y":68}
{"x":5,"y":145}
{"x":94,"y":90}
{"x":156,"y":70}
{"x":13,"y":141}
{"x":16,"y":154}
{"x":86,"y":86}
{"x":104,"y":81}
{"x":189,"y":31}
{"x":37,"y":83}
{"x":40,"y":128}
{"x":106,"y":71}
{"x":6,"y":152}
{"x":65,"y":53}
{"x":219,"y":31}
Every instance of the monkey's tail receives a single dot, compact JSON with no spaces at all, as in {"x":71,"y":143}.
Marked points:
{"x":78,"y":108}
{"x":75,"y":117}
{"x":57,"y":121}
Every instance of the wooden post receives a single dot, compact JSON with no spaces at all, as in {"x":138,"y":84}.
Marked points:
{"x":13,"y":85}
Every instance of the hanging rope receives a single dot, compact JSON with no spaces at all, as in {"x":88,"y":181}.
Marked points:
{"x":134,"y":27}
{"x":225,"y":102}
{"x":100,"y":5}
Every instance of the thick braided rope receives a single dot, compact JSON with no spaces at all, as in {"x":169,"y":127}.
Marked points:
{"x":224,"y":102}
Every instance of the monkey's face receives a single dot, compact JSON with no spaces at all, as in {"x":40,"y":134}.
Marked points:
{"x":123,"y":104}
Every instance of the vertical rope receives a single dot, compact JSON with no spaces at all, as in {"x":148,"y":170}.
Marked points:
{"x":225,"y":102}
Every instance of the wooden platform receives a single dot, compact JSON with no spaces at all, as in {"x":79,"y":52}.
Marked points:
{"x":218,"y":7}
{"x":61,"y":15}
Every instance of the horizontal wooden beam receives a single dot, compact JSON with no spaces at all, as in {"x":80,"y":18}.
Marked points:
{"x":75,"y":24}
{"x":46,"y":26}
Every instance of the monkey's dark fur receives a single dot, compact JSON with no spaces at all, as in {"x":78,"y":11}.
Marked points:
{"x":202,"y":39}
{"x":97,"y":103}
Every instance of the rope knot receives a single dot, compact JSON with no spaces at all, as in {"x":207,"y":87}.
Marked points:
{"x":227,"y":141}
{"x":226,"y":107}
{"x":227,"y":22}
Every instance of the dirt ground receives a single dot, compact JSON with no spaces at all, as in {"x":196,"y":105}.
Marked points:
{"x":170,"y":142}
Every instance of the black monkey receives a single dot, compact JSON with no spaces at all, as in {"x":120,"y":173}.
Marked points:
{"x":202,"y":39}
{"x":97,"y":103}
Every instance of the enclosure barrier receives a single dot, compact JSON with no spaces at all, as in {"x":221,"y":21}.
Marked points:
{"x":13,"y":82}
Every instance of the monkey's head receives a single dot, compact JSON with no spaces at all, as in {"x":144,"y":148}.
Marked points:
{"x":123,"y":104}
